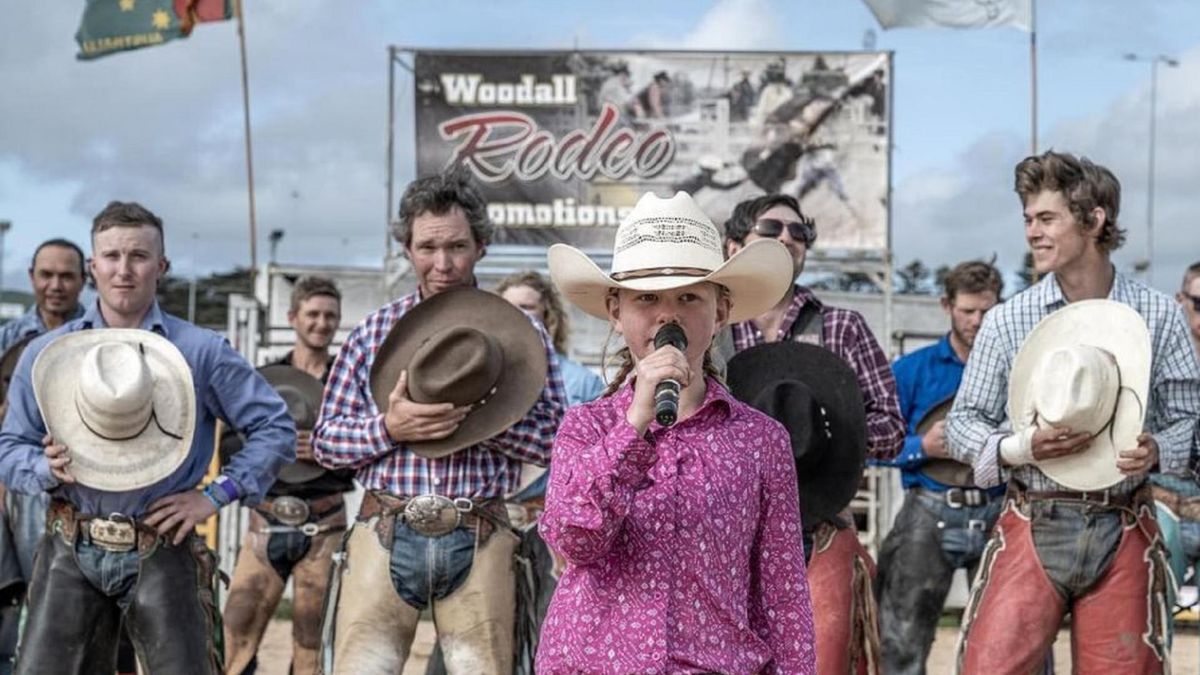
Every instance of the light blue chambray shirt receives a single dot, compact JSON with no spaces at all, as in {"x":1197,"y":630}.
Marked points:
{"x":227,"y":387}
{"x":582,"y":385}
{"x":29,"y":323}
{"x":979,"y":419}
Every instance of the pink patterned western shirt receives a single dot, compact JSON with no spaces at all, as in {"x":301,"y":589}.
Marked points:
{"x":683,"y":546}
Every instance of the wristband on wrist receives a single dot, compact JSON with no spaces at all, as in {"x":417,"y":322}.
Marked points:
{"x":226,"y":489}
{"x":208,"y":492}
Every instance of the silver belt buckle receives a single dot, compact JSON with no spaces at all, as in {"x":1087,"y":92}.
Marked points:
{"x":291,"y":511}
{"x":112,"y":535}
{"x":433,"y":515}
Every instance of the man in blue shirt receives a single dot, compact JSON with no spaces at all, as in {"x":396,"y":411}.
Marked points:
{"x":56,"y":275}
{"x":942,"y":525}
{"x":159,"y":581}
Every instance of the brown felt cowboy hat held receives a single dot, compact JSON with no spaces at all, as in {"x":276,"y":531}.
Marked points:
{"x":470,"y":348}
{"x":301,"y":393}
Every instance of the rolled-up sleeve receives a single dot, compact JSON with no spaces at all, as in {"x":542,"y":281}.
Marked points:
{"x":241,"y":396}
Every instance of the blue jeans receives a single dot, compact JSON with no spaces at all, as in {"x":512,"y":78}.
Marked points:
{"x":929,"y":540}
{"x":109,"y":572}
{"x":424,"y":568}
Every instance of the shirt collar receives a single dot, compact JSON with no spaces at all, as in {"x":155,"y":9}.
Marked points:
{"x":154,"y":319}
{"x":33,"y":316}
{"x":803,"y":295}
{"x":1052,"y":296}
{"x":945,"y":351}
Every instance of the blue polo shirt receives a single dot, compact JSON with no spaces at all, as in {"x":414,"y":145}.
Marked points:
{"x":924,"y":379}
{"x":227,"y":387}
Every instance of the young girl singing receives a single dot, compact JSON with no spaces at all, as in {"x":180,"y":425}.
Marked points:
{"x":683,"y":542}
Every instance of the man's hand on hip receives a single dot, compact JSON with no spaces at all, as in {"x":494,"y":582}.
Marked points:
{"x":181,"y":512}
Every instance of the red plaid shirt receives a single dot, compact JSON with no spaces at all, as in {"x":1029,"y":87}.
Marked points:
{"x":845,"y":333}
{"x":350,"y":432}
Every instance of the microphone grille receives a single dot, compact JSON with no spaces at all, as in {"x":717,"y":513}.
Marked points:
{"x":670,"y":334}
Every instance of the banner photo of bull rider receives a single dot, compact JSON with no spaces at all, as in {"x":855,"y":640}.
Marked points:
{"x":563,"y":143}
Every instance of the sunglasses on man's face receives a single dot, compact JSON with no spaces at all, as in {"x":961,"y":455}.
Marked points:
{"x":1195,"y":300}
{"x":799,"y":230}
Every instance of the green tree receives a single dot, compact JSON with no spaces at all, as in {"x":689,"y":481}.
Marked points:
{"x":913,"y":278}
{"x":212,"y":296}
{"x":1026,"y":274}
{"x":939,"y":279}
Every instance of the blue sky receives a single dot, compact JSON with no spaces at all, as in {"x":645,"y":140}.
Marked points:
{"x":163,"y":125}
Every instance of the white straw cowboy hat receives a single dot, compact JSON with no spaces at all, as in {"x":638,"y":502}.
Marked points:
{"x":670,"y":243}
{"x":121,"y":400}
{"x":467,"y":347}
{"x":1085,"y":367}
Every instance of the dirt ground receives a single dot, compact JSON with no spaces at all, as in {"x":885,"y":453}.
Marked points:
{"x":275,"y":652}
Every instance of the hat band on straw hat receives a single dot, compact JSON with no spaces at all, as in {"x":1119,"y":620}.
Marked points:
{"x":661,"y":272}
{"x":101,"y":434}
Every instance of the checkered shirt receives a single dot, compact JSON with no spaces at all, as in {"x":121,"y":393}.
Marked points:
{"x":979,"y":419}
{"x":845,"y":333}
{"x":350,"y":432}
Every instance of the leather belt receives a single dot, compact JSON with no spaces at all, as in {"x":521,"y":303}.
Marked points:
{"x":957,"y":497}
{"x":1100,"y":497}
{"x":433,"y":515}
{"x":116,"y":532}
{"x":294,"y":514}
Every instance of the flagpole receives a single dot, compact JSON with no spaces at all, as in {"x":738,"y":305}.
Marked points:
{"x":241,"y":31}
{"x":1033,"y":88}
{"x":1033,"y":91}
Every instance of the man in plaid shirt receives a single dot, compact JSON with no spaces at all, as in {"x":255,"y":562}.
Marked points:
{"x":1097,"y":554}
{"x":466,"y":574}
{"x":839,"y":568}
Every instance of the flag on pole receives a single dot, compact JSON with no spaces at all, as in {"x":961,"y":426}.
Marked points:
{"x":110,"y":26}
{"x":953,"y":13}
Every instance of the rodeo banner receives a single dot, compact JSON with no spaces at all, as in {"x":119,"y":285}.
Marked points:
{"x":563,"y":143}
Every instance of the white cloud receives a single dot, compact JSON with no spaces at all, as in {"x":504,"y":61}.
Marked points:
{"x":967,"y":210}
{"x":728,"y":24}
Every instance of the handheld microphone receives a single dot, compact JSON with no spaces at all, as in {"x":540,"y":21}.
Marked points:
{"x":666,"y":394}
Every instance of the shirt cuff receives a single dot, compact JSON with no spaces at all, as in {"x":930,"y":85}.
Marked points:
{"x":226,"y":490}
{"x":1017,"y":449}
{"x":988,"y":472}
{"x":378,"y":434}
{"x":633,"y":455}
{"x":45,"y":478}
